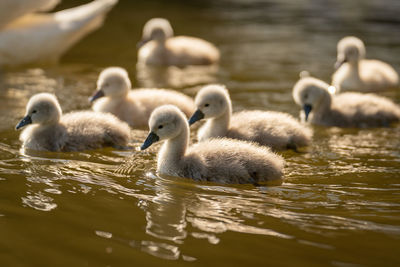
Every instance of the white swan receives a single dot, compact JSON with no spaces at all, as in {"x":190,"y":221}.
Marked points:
{"x":47,"y":129}
{"x":355,"y":73}
{"x":277,"y":130}
{"x":216,"y":160}
{"x":345,"y":109}
{"x":12,"y":9}
{"x":45,"y":37}
{"x":114,"y":95}
{"x":159,"y":46}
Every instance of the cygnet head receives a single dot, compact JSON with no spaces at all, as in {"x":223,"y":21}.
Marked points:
{"x":309,"y":93}
{"x":166,"y":122}
{"x":42,"y":108}
{"x":112,"y":82}
{"x":349,"y":49}
{"x":158,"y":29}
{"x":212,"y":101}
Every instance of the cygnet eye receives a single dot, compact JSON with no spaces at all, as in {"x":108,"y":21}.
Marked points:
{"x":160,"y":126}
{"x":305,"y":96}
{"x":34,"y":111}
{"x":206,"y":105}
{"x":106,"y":84}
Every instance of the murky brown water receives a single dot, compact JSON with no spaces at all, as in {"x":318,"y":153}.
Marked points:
{"x":338,"y":206}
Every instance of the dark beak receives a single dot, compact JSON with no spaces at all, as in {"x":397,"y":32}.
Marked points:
{"x":197,"y":115}
{"x":141,"y":43}
{"x":307,"y":109}
{"x":25,"y":121}
{"x":339,"y":63}
{"x":99,"y":93}
{"x":151,"y":138}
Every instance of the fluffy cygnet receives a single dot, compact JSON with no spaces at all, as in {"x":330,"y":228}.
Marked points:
{"x":49,"y":130}
{"x":133,"y":106}
{"x":345,"y":109}
{"x":355,"y":73}
{"x":216,"y":160}
{"x":159,"y":47}
{"x":277,"y":130}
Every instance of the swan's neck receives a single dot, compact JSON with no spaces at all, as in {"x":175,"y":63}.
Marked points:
{"x":114,"y":102}
{"x":50,"y":124}
{"x":52,"y":121}
{"x":46,"y":127}
{"x":123,"y":94}
{"x":161,"y":44}
{"x":172,"y":152}
{"x":324,"y":107}
{"x":355,"y":67}
{"x":218,"y":126}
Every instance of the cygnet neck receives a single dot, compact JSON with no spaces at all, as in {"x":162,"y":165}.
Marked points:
{"x":354,"y":70}
{"x":54,"y":119}
{"x":324,"y":106}
{"x":122,"y":94}
{"x":354,"y":65}
{"x":220,"y":125}
{"x":173,"y":150}
{"x":161,"y":44}
{"x":50,"y":124}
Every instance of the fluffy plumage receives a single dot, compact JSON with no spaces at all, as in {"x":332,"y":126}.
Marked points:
{"x":49,"y":130}
{"x":159,"y":47}
{"x":343,"y":110}
{"x":45,"y":37}
{"x":216,"y":160}
{"x":133,"y":106}
{"x":355,"y":73}
{"x":273,"y":129}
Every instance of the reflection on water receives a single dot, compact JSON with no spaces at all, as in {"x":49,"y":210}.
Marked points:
{"x":338,"y":204}
{"x":174,"y":77}
{"x":165,"y":215}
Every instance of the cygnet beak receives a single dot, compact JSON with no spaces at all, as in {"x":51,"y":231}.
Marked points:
{"x":141,"y":43}
{"x":307,"y":109}
{"x":25,"y":121}
{"x":197,"y":115}
{"x":151,"y":138}
{"x":99,"y":93}
{"x":339,"y":63}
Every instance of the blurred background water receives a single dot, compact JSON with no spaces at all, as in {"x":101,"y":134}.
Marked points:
{"x":338,"y":206}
